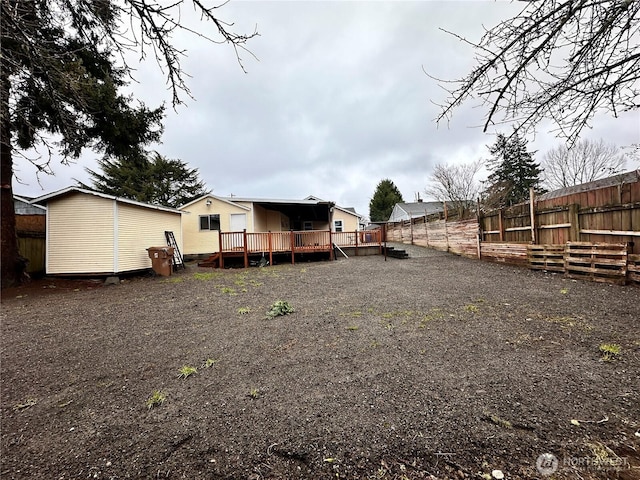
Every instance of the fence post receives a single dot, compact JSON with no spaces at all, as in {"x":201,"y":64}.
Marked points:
{"x":479,"y":234}
{"x":574,"y":219}
{"x":500,"y":225}
{"x":532,"y":213}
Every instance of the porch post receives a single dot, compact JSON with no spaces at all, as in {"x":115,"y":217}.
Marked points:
{"x":330,"y":245}
{"x":246,"y":253}
{"x":270,"y":249}
{"x":293,"y":248}
{"x":221,"y":263}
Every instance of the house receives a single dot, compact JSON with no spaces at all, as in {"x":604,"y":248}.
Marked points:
{"x":30,"y":230}
{"x":210,"y":215}
{"x":407,"y":211}
{"x":91,"y":233}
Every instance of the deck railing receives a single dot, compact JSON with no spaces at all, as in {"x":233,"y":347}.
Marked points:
{"x":243,"y":243}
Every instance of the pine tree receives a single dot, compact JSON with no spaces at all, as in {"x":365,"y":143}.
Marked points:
{"x":151,"y":179}
{"x":383,"y":200}
{"x":514,"y":172}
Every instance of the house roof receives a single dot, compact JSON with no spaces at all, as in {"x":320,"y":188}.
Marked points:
{"x":209,"y":195}
{"x":418,"y":209}
{"x":350,"y":210}
{"x":29,"y":201}
{"x":70,"y":190}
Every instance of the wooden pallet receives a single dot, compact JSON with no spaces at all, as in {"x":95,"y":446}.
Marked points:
{"x":504,"y":252}
{"x":598,"y":262}
{"x":633,"y":268}
{"x":546,"y":257}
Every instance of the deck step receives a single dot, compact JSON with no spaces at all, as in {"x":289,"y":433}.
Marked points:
{"x":212,"y":262}
{"x":396,"y":253}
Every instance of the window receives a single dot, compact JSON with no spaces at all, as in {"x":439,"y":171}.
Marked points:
{"x":209,"y":222}
{"x":307,"y":225}
{"x":337,"y":225}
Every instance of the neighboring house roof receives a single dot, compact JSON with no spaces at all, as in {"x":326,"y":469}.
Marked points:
{"x":350,"y":210}
{"x":70,"y":190}
{"x":406,"y":211}
{"x":23,"y":206}
{"x":629,"y":177}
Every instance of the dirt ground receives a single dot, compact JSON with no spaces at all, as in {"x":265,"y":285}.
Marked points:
{"x":431,"y":367}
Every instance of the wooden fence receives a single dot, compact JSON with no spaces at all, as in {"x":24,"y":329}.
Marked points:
{"x":547,"y":231}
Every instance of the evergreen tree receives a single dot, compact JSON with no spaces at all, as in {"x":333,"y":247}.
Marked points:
{"x":514,"y":172}
{"x":150,"y":179}
{"x":383,"y":200}
{"x":62,"y":66}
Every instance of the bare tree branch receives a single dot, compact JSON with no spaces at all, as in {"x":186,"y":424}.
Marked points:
{"x":562,"y":60}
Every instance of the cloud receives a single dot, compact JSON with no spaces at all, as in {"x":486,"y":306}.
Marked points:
{"x":336,"y":101}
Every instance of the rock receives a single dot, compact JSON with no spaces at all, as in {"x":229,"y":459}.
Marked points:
{"x":497,"y":474}
{"x":112,"y":281}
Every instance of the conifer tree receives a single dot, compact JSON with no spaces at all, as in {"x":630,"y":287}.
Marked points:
{"x":383,"y":200}
{"x":514,"y":172}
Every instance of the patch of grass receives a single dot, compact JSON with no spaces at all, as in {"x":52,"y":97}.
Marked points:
{"x":254,"y":393}
{"x":610,"y":351}
{"x":206,"y":275}
{"x":228,"y":290}
{"x":570,"y":322}
{"x":28,"y":403}
{"x":255,"y":283}
{"x":156,"y":399}
{"x":209,"y":362}
{"x":244,"y":310}
{"x":471,"y":308}
{"x":433,"y":314}
{"x":496,"y":420}
{"x":173,"y":280}
{"x":564,"y":291}
{"x":186,"y":371}
{"x":279,"y":308}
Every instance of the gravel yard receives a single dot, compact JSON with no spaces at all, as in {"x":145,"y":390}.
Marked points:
{"x":435,"y":366}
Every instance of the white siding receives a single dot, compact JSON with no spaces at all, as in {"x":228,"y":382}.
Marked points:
{"x":140,"y":228}
{"x":80,"y":235}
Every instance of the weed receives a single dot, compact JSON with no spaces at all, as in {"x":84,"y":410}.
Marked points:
{"x":497,"y":420}
{"x":255,"y":283}
{"x":389,"y":326}
{"x":254,"y":393}
{"x":471,"y":308}
{"x":564,"y":291}
{"x":30,"y":402}
{"x":244,"y":310}
{"x":186,"y":371}
{"x":374,"y":344}
{"x":228,"y":290}
{"x":209,"y":362}
{"x":279,"y":308}
{"x":353,"y":328}
{"x":156,"y":399}
{"x":609,"y":351}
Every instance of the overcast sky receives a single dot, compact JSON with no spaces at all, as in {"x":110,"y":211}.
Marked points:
{"x":336,"y":101}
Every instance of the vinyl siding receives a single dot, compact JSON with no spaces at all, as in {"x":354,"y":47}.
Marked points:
{"x":80,"y":235}
{"x":140,"y":228}
{"x":349,"y":222}
{"x":198,"y":242}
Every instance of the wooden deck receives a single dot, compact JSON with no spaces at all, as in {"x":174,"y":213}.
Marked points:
{"x":244,"y":244}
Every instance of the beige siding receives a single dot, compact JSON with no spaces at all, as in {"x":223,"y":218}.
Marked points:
{"x":349,"y":221}
{"x":198,"y":242}
{"x":140,"y":228}
{"x":80,"y":235}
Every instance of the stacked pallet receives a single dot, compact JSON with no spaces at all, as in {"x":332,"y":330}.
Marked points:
{"x":598,"y":262}
{"x":633,"y":268}
{"x":504,"y":252}
{"x":546,"y":257}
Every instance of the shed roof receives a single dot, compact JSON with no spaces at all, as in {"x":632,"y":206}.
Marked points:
{"x":70,"y":190}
